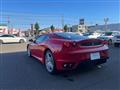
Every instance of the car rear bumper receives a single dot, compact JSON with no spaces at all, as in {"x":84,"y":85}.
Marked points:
{"x":95,"y":62}
{"x":72,"y":64}
{"x":71,"y":59}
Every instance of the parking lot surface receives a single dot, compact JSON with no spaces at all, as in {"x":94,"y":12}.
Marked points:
{"x":20,"y":72}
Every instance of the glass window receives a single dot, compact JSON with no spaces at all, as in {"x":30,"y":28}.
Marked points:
{"x":10,"y":36}
{"x":79,"y":26}
{"x":42,"y":38}
{"x":116,"y":33}
{"x":7,"y":36}
{"x":71,"y":36}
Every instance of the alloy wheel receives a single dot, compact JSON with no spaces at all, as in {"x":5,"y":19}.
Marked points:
{"x":49,"y":62}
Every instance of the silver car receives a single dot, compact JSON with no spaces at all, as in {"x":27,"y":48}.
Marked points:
{"x":116,"y":41}
{"x":109,"y":36}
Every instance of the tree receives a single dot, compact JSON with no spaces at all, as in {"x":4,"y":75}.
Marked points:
{"x":65,"y":28}
{"x":36,"y":28}
{"x":52,"y":28}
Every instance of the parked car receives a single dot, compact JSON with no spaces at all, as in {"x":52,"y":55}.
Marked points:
{"x":116,"y":40}
{"x":108,"y":36}
{"x":94,"y":35}
{"x":7,"y":38}
{"x":65,"y":51}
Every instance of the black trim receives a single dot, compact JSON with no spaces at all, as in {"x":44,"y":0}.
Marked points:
{"x":94,"y":62}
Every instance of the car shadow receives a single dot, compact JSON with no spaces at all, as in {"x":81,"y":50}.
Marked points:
{"x":19,"y":63}
{"x":17,"y":70}
{"x":81,"y":70}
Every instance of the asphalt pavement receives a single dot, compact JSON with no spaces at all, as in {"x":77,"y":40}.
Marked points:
{"x":20,"y":72}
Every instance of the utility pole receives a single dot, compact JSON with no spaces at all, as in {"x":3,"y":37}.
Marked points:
{"x":106,"y":21}
{"x":69,"y":28}
{"x":32,"y":30}
{"x":8,"y":21}
{"x":96,"y":26}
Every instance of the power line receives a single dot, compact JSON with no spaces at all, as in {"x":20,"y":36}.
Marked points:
{"x":23,"y":14}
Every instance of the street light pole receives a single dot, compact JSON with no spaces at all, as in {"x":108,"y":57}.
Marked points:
{"x":106,"y":21}
{"x":69,"y":30}
{"x":8,"y":21}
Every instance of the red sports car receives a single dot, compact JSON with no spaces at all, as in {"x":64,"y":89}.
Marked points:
{"x":65,"y":51}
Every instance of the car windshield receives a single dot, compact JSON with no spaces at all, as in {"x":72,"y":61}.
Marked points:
{"x":71,"y":36}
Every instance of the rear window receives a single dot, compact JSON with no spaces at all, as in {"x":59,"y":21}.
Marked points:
{"x":71,"y":36}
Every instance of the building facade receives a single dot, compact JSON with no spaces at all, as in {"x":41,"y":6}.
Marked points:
{"x":3,"y":29}
{"x":79,"y":28}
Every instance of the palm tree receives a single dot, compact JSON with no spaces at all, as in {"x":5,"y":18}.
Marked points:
{"x":65,"y":28}
{"x":36,"y":28}
{"x":52,"y":28}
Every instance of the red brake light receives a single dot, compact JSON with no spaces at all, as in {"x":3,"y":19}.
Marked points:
{"x":66,"y":44}
{"x":70,"y":44}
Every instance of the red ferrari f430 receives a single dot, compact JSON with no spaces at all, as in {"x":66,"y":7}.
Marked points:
{"x":65,"y":51}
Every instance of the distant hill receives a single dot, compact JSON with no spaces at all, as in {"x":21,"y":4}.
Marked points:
{"x":111,"y":27}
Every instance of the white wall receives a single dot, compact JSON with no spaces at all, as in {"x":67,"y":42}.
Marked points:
{"x":3,"y":29}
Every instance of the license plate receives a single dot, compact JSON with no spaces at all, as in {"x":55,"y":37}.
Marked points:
{"x":94,"y":56}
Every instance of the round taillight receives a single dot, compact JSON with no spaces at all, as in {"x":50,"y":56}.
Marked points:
{"x":66,"y":44}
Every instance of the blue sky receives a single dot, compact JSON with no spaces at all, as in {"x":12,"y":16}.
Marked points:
{"x":47,"y":12}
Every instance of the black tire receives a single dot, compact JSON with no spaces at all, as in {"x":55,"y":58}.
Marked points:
{"x":1,"y":41}
{"x":29,"y":52}
{"x":110,"y":42}
{"x":116,"y":44}
{"x":21,"y":41}
{"x":50,"y":62}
